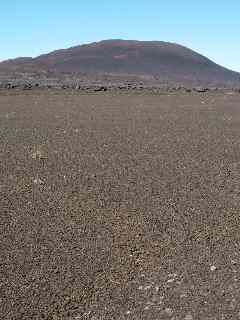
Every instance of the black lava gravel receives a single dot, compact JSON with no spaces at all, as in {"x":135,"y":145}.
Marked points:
{"x":119,"y":206}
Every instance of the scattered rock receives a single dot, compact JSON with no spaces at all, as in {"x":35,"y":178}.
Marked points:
{"x":27,"y":86}
{"x":201,"y":90}
{"x":38,"y":155}
{"x":102,"y":88}
{"x":213,"y":268}
{"x":169,"y":311}
{"x":38,"y":181}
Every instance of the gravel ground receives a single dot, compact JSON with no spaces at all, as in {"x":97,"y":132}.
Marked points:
{"x":119,"y":206}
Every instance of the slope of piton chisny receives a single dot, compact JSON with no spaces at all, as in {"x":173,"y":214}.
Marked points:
{"x":157,"y":60}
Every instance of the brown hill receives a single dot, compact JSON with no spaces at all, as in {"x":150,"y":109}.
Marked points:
{"x":160,"y":60}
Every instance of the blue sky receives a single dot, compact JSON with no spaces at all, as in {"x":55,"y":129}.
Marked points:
{"x":211,"y":27}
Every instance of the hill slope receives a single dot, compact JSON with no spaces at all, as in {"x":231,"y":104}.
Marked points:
{"x":161,"y":60}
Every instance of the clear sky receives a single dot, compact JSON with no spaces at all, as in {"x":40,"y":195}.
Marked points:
{"x":211,"y":27}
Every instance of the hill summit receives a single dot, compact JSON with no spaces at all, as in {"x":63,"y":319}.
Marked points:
{"x":157,"y":60}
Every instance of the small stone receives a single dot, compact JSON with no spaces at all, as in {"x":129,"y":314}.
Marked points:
{"x":213,"y":268}
{"x":169,"y":311}
{"x":148,"y":287}
{"x":38,"y":155}
{"x":38,"y":181}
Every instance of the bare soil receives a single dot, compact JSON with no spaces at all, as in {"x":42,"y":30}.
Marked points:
{"x":119,"y":206}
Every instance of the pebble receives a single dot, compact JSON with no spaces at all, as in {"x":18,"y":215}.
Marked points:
{"x":38,"y":155}
{"x":213,"y":268}
{"x":38,"y":181}
{"x":169,"y":311}
{"x":147,"y":287}
{"x":171,"y":280}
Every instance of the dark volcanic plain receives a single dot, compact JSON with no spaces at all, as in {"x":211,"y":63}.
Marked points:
{"x":119,"y":206}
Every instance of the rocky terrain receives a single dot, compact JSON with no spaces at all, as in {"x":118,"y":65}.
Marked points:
{"x":119,"y":206}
